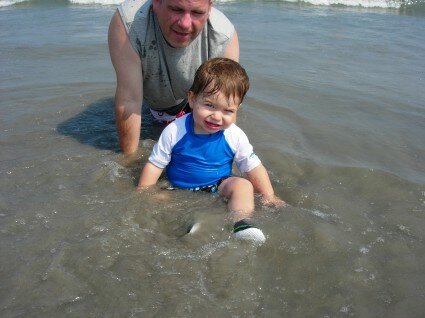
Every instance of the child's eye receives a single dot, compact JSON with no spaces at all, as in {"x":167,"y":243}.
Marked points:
{"x":209,"y":105}
{"x":230,"y":111}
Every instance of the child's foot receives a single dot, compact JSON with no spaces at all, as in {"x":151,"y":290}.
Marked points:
{"x":244,"y":230}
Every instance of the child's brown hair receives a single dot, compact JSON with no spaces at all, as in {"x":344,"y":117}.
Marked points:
{"x":221,"y":74}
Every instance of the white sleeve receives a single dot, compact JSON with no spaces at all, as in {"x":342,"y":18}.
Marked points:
{"x":245,"y":158}
{"x":161,"y":153}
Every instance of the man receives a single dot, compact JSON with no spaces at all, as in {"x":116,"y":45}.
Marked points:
{"x":156,"y":46}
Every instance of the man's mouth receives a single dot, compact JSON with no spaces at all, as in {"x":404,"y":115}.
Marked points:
{"x":181,"y":34}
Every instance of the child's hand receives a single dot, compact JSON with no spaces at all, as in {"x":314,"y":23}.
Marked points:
{"x":154,"y":194}
{"x":161,"y":196}
{"x":273,"y":200}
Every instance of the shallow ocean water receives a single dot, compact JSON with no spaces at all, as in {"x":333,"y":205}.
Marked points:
{"x":335,"y":112}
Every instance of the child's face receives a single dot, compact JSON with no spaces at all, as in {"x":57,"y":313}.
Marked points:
{"x":213,"y":113}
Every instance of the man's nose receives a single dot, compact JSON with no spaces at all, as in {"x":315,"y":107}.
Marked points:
{"x":185,"y":21}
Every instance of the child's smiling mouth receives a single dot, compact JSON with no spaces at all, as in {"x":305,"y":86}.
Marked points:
{"x":212,"y":125}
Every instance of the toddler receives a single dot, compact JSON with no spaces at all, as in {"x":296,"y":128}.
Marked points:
{"x":198,"y":149}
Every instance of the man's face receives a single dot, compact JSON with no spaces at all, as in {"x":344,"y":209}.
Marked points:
{"x":181,"y":20}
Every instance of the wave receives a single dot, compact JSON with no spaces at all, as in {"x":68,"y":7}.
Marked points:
{"x":103,"y":2}
{"x":408,"y":6}
{"x":5,"y":3}
{"x":390,"y":4}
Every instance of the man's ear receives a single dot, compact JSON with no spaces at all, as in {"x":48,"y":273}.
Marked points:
{"x":155,"y":5}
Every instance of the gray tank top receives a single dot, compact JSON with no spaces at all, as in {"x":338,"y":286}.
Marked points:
{"x":168,"y":72}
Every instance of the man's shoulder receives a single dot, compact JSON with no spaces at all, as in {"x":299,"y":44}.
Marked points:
{"x":220,"y":23}
{"x":131,"y":10}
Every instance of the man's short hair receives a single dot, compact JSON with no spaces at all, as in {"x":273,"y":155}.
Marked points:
{"x":221,"y":74}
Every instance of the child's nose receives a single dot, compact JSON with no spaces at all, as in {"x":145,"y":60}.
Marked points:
{"x":216,"y":115}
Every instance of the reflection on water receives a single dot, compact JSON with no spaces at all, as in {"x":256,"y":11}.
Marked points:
{"x":94,"y":126}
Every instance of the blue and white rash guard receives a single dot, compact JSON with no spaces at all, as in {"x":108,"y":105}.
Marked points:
{"x":195,"y":160}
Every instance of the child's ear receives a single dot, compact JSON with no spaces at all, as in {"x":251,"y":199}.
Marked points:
{"x":191,"y":99}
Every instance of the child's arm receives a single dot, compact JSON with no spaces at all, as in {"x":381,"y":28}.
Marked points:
{"x":150,"y":175}
{"x":261,"y":182}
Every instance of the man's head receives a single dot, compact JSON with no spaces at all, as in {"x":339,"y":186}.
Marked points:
{"x":217,"y":91}
{"x":181,"y":20}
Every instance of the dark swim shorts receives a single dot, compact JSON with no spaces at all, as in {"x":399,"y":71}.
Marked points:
{"x":213,"y":188}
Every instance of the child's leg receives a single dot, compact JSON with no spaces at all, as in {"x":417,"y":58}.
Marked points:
{"x":240,"y":195}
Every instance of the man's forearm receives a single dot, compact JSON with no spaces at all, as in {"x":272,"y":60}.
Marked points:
{"x":128,"y":121}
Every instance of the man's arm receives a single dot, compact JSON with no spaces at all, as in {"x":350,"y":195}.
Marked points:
{"x":150,"y":175}
{"x":261,"y":182}
{"x":129,"y":92}
{"x":232,"y":49}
